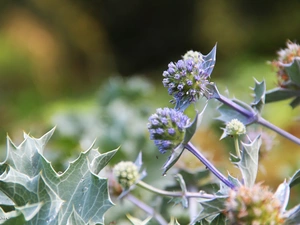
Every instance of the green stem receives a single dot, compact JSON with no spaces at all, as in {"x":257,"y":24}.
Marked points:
{"x":237,"y":147}
{"x":174,"y":193}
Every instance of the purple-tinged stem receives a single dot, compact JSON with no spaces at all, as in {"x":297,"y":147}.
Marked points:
{"x":255,"y":118}
{"x":190,"y":147}
{"x":283,"y":133}
{"x":149,"y":210}
{"x":249,"y":114}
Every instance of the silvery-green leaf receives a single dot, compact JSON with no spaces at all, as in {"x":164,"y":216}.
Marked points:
{"x":5,"y":200}
{"x":30,"y":175}
{"x":75,"y":219}
{"x":293,"y":70}
{"x":228,"y":113}
{"x":173,"y":158}
{"x":211,"y":207}
{"x":234,"y":180}
{"x":259,"y":95}
{"x":295,"y":102}
{"x":278,"y":94}
{"x":292,"y":216}
{"x":30,"y":210}
{"x":295,"y":179}
{"x":212,"y":91}
{"x":184,"y":200}
{"x":249,"y":161}
{"x":12,"y":217}
{"x":192,"y":128}
{"x":210,"y":60}
{"x":216,"y":219}
{"x":282,"y":194}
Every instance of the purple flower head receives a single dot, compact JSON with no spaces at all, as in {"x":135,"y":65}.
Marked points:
{"x":188,"y":78}
{"x":177,"y":76}
{"x":170,"y":130}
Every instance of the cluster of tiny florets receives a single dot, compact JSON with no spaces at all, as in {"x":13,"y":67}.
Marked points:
{"x":126,"y":173}
{"x":285,"y":56}
{"x":167,"y":128}
{"x":235,"y":128}
{"x":196,"y":56}
{"x":187,"y":79}
{"x":253,"y":206}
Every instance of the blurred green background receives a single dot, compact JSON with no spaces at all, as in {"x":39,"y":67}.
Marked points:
{"x":93,"y":69}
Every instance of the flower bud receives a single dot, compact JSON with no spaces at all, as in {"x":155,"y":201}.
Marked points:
{"x":187,"y":79}
{"x":255,"y":205}
{"x":167,"y":128}
{"x":196,"y":56}
{"x":235,"y":128}
{"x":126,"y":173}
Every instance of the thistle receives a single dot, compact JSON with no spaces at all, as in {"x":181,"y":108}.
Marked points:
{"x":167,"y":128}
{"x":251,"y":206}
{"x":285,"y":58}
{"x":126,"y":173}
{"x":187,"y":79}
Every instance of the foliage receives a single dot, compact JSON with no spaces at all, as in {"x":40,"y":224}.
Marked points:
{"x":32,"y":192}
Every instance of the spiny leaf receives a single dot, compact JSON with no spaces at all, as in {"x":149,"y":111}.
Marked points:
{"x":293,"y":216}
{"x":218,"y":219}
{"x":184,"y":200}
{"x":295,"y":179}
{"x":29,"y":177}
{"x":22,"y":189}
{"x":75,"y":219}
{"x":30,"y":210}
{"x":211,"y":207}
{"x":192,"y":128}
{"x":173,"y":158}
{"x":293,"y":70}
{"x":234,"y":180}
{"x":228,"y":113}
{"x":295,"y":102}
{"x":282,"y":194}
{"x":278,"y":94}
{"x":210,"y":60}
{"x":249,"y":161}
{"x":259,"y":95}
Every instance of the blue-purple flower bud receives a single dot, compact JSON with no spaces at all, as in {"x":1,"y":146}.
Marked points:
{"x":187,"y":79}
{"x":167,"y":128}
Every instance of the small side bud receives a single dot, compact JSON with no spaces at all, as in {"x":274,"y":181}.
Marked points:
{"x":126,"y":173}
{"x":235,"y":128}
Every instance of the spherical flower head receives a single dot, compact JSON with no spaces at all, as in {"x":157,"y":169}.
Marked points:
{"x":196,"y":56}
{"x":126,"y":173}
{"x":251,"y":206}
{"x":187,"y":79}
{"x":285,"y":56}
{"x":167,"y":128}
{"x":235,"y":128}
